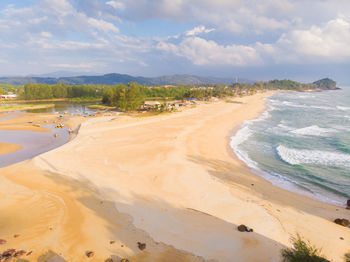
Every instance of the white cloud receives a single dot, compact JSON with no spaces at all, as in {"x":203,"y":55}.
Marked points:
{"x":247,"y":33}
{"x":203,"y":52}
{"x":199,"y":30}
{"x":330,"y":42}
{"x":116,"y":5}
{"x":78,"y":66}
{"x":46,"y":34}
{"x":102,"y":26}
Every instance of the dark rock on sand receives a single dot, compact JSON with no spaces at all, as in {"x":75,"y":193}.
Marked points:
{"x":244,"y":228}
{"x":109,"y":260}
{"x":3,"y":241}
{"x":141,"y":246}
{"x":89,"y":253}
{"x":111,"y":242}
{"x":342,"y":221}
{"x":20,"y":253}
{"x":29,"y":253}
{"x":124,"y":260}
{"x":16,"y":235}
{"x":9,"y":253}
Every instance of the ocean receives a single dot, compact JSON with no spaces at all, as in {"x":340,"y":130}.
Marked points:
{"x":301,"y":143}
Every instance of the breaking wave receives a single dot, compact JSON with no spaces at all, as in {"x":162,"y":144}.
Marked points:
{"x":313,"y":130}
{"x":315,"y":157}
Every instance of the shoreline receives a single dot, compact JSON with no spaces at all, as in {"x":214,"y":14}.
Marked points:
{"x":286,"y":184}
{"x":175,"y":180}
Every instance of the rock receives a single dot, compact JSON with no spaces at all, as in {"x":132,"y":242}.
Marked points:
{"x":20,"y":253}
{"x":89,"y":253}
{"x":9,"y":253}
{"x":109,"y":260}
{"x":3,"y":241}
{"x":342,"y":221}
{"x":249,"y":229}
{"x":348,"y":203}
{"x":16,"y":235}
{"x":29,"y":253}
{"x":124,"y":260}
{"x":111,"y":242}
{"x":141,"y":246}
{"x":242,"y":228}
{"x":341,"y":238}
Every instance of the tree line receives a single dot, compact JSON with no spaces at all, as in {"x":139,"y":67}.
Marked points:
{"x":130,"y":96}
{"x":44,"y":91}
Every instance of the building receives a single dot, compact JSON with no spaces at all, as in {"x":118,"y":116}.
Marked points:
{"x":11,"y":96}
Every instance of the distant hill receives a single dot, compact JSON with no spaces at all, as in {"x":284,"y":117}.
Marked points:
{"x":112,"y":79}
{"x":326,"y":83}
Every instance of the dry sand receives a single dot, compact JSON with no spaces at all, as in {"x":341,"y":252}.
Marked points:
{"x":170,"y":181}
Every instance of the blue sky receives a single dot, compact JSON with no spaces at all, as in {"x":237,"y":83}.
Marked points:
{"x":298,"y":39}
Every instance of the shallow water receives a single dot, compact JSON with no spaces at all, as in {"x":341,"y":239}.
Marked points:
{"x":33,"y":143}
{"x":60,"y":107}
{"x":302,"y":143}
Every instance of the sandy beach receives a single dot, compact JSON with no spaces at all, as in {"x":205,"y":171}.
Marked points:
{"x":169,"y":181}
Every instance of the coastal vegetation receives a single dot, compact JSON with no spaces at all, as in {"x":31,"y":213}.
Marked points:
{"x":43,"y":91}
{"x":130,"y":96}
{"x":101,"y":107}
{"x":24,"y":107}
{"x":302,"y":252}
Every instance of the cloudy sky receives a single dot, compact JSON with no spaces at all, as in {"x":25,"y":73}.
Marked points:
{"x":297,"y":39}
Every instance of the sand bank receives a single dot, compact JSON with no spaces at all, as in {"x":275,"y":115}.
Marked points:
{"x":6,"y":148}
{"x":169,"y":181}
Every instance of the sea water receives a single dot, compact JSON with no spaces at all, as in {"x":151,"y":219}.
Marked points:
{"x":301,"y":143}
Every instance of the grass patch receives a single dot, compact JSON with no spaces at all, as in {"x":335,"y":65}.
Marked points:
{"x":233,"y":102}
{"x":302,"y":252}
{"x":84,"y":99}
{"x":101,"y":107}
{"x":24,"y":107}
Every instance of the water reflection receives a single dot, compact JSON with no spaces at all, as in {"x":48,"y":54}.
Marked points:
{"x":33,"y":143}
{"x":60,"y":107}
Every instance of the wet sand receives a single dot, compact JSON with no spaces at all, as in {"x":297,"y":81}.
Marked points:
{"x":6,"y":148}
{"x":170,"y":181}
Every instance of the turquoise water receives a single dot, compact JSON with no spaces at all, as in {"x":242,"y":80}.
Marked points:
{"x":301,"y":143}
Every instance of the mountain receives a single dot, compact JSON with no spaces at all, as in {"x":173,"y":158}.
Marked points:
{"x":112,"y":79}
{"x":326,"y":83}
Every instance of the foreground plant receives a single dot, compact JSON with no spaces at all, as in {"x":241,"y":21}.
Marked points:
{"x":302,"y":252}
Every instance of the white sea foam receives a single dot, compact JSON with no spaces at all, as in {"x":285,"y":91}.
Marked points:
{"x":292,"y":104}
{"x":344,"y":108}
{"x":242,"y":135}
{"x":323,"y":107}
{"x":313,"y":130}
{"x":316,"y":157}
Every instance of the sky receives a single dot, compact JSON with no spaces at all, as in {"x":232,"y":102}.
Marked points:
{"x":302,"y":40}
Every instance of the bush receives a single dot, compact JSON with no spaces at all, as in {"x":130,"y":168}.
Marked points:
{"x":302,"y":252}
